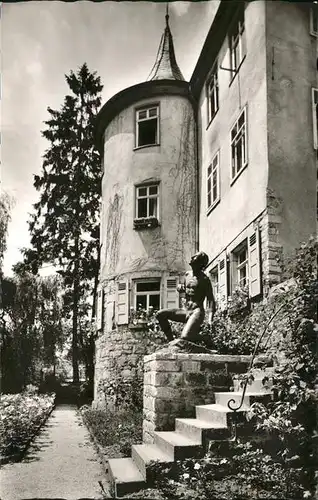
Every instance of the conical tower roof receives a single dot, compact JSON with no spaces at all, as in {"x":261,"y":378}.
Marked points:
{"x":166,"y":67}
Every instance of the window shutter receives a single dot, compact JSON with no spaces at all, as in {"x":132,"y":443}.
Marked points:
{"x":122,"y":303}
{"x":109,"y":313}
{"x":232,"y":273}
{"x":254,"y":268}
{"x":100,"y":309}
{"x":222,"y":269}
{"x":315,"y":116}
{"x":172,"y":296}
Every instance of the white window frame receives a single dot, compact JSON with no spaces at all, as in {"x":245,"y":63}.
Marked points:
{"x":147,"y":109}
{"x":148,"y":196}
{"x":237,"y":266}
{"x":314,"y":19}
{"x":212,"y":91}
{"x":240,"y":132}
{"x":213,"y":180}
{"x":214,"y":278}
{"x":240,"y":265}
{"x":237,"y":41}
{"x":314,"y":100}
{"x":147,"y":293}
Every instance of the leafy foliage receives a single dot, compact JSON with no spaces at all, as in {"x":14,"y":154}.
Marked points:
{"x":116,"y":430}
{"x":5,"y":207}
{"x":65,"y":224}
{"x":282,"y":465}
{"x":245,"y":472}
{"x":20,"y":417}
{"x":31,"y":329}
{"x":123,"y":392}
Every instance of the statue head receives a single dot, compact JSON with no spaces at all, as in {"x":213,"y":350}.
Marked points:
{"x":199,"y":261}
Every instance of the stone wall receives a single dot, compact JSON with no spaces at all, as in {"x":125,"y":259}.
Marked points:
{"x":175,"y":382}
{"x":271,"y":248}
{"x":119,"y":354}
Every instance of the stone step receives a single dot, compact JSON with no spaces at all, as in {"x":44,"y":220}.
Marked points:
{"x":177,"y":446}
{"x":143,"y":454}
{"x":216,"y":413}
{"x":125,"y":477}
{"x":222,"y":398}
{"x":197,"y":429}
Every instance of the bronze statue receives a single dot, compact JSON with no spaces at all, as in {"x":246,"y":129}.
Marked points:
{"x":197,"y":288}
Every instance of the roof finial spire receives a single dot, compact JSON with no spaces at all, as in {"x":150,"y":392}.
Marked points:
{"x":166,"y":67}
{"x":167,"y":13}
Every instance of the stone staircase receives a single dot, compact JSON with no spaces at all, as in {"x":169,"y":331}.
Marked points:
{"x":213,"y":423}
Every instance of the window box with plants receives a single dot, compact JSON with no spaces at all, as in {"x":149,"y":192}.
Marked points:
{"x":146,"y":222}
{"x":140,"y":318}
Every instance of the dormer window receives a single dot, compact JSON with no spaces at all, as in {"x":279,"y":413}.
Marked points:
{"x":147,"y":126}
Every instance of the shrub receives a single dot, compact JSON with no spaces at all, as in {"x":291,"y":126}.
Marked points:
{"x":124,"y":392}
{"x":283,"y":466}
{"x":118,"y":428}
{"x":245,"y":472}
{"x":21,"y":415}
{"x":31,"y":389}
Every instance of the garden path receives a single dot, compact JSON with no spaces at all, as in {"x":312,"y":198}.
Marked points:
{"x":61,"y":463}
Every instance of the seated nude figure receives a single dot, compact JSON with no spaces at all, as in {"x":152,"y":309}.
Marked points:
{"x":197,"y":288}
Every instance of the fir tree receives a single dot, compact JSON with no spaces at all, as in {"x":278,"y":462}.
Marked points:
{"x":65,"y":226}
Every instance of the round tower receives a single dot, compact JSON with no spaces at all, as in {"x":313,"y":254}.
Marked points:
{"x":149,"y":206}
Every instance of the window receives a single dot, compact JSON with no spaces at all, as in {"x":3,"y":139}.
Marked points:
{"x":237,"y":43}
{"x":239,"y":144}
{"x":214,"y":275}
{"x":147,"y":294}
{"x":147,"y":126}
{"x":213,"y":191}
{"x":314,"y":19}
{"x":241,"y":266}
{"x":147,"y":201}
{"x":315,"y":116}
{"x":246,"y":265}
{"x":213,"y":94}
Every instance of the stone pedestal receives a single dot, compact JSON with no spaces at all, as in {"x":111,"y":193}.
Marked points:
{"x":175,"y":382}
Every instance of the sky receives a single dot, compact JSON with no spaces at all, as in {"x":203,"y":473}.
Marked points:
{"x":42,"y":41}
